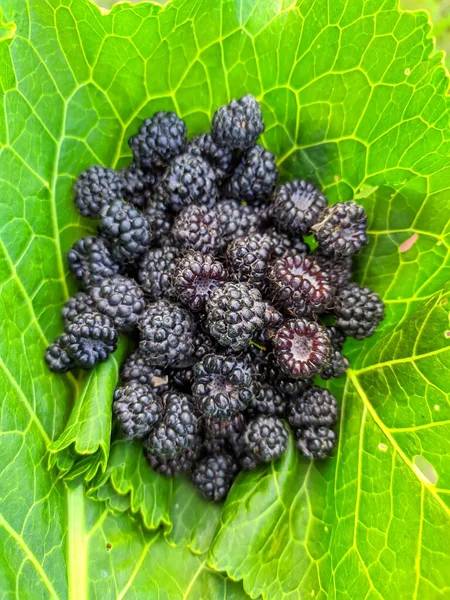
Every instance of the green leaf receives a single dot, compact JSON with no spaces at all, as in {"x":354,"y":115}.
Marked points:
{"x":88,"y":429}
{"x":354,"y":99}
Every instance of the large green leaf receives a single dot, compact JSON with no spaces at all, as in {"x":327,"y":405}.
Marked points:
{"x":354,"y":99}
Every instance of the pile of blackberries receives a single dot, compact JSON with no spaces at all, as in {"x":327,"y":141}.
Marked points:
{"x":201,"y":259}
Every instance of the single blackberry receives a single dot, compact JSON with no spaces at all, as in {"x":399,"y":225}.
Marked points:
{"x":301,"y":348}
{"x":57,"y":358}
{"x":183,"y":463}
{"x":137,"y":184}
{"x":159,"y":217}
{"x":341,"y":230}
{"x":229,"y":430}
{"x":89,"y":339}
{"x":137,"y":367}
{"x":297,"y":206}
{"x":284,"y":244}
{"x":95,"y":188}
{"x":159,"y":140}
{"x":238,"y":124}
{"x":167,"y":334}
{"x":90,"y":260}
{"x":316,"y":407}
{"x":315,"y":442}
{"x":214,"y":475}
{"x":195,"y":277}
{"x":155,"y":271}
{"x":177,"y":430}
{"x":339,"y":271}
{"x":127,"y":229}
{"x":137,"y":409}
{"x":121,"y":299}
{"x":337,"y":363}
{"x":77,"y":305}
{"x":188,"y":180}
{"x":358,"y":311}
{"x":268,"y":401}
{"x":249,"y":257}
{"x":234,"y":313}
{"x":299,"y":286}
{"x":264,"y":440}
{"x":223,"y":386}
{"x":236,"y":220}
{"x":220,"y":158}
{"x":254,"y":177}
{"x":197,"y":228}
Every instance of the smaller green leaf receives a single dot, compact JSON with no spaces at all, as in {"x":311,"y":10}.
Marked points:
{"x":88,"y":430}
{"x":172,"y":502}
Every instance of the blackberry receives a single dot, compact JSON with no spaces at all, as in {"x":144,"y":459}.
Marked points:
{"x":268,"y":401}
{"x":183,"y":463}
{"x":214,"y":475}
{"x":341,"y":230}
{"x":339,"y":271}
{"x":89,"y":339}
{"x":229,"y":430}
{"x":316,"y":407}
{"x":284,"y":245}
{"x":223,"y":386}
{"x":196,"y":276}
{"x":127,"y":229}
{"x":77,"y":305}
{"x":188,"y":180}
{"x":121,"y":299}
{"x":159,"y":140}
{"x":220,"y":158}
{"x":238,"y":124}
{"x":299,"y":286}
{"x":176,"y":431}
{"x":254,"y":177}
{"x":234,"y":313}
{"x":358,"y":311}
{"x":297,"y":206}
{"x":315,"y":442}
{"x":90,"y":260}
{"x":137,"y":184}
{"x":167,"y":334}
{"x":301,"y":348}
{"x":248,"y":257}
{"x":95,"y":188}
{"x":137,"y":367}
{"x":197,"y":228}
{"x":155,"y":271}
{"x":57,"y":358}
{"x":337,"y":363}
{"x":159,"y":217}
{"x":137,"y":409}
{"x":236,"y":220}
{"x":264,"y":440}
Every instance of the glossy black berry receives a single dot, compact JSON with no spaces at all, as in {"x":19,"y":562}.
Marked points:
{"x":121,"y":299}
{"x":315,"y":407}
{"x":297,"y":206}
{"x":137,"y":409}
{"x":213,"y":476}
{"x":156,"y":269}
{"x":96,"y":187}
{"x":341,"y":230}
{"x":358,"y":311}
{"x":159,"y":140}
{"x":238,"y":125}
{"x":90,"y":260}
{"x":254,"y":177}
{"x":195,"y":277}
{"x":127,"y":229}
{"x":197,"y":228}
{"x":315,"y":442}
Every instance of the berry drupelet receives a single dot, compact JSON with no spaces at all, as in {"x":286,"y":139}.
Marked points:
{"x":57,"y":358}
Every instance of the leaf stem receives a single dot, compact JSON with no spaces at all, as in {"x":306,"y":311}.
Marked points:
{"x":76,"y":544}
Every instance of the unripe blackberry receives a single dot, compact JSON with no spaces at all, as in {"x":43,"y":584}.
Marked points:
{"x":299,"y":286}
{"x":358,"y":311}
{"x":188,"y":180}
{"x":254,"y":177}
{"x":301,"y":348}
{"x":90,"y":260}
{"x":297,"y":206}
{"x":195,"y":277}
{"x":159,"y":140}
{"x":121,"y":299}
{"x":341,"y":230}
{"x":237,"y":125}
{"x":137,"y":409}
{"x":223,"y":386}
